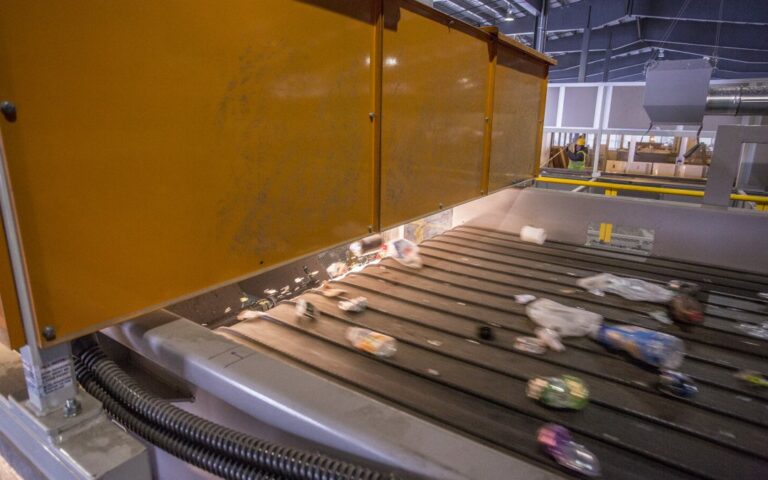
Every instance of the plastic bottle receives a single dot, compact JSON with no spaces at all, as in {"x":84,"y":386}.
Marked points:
{"x":372,"y":342}
{"x":655,"y":348}
{"x":565,"y":391}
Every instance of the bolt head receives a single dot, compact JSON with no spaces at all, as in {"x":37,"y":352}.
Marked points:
{"x":8,"y":109}
{"x":72,"y":408}
{"x":49,"y":333}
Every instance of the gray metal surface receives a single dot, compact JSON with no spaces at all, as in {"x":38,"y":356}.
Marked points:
{"x":314,"y":407}
{"x":738,"y":100}
{"x":726,"y":159}
{"x":676,"y":91}
{"x":87,"y":446}
{"x":731,"y":238}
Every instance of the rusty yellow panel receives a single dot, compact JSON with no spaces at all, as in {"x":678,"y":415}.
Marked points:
{"x":164,"y":148}
{"x":520,"y":90}
{"x":434,"y":92}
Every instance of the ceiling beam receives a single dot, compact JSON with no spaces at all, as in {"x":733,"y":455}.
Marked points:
{"x":574,"y":17}
{"x":754,"y":12}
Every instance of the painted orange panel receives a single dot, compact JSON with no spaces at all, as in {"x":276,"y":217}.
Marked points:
{"x":433,"y":111}
{"x":169,"y":147}
{"x":520,"y":91}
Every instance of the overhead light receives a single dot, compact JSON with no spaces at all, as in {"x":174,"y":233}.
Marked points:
{"x":661,"y":53}
{"x":509,"y":17}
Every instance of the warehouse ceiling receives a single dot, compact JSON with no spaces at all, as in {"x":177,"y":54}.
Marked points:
{"x":623,"y":36}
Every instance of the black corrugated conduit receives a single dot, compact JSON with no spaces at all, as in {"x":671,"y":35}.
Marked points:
{"x":281,"y":461}
{"x":196,"y":455}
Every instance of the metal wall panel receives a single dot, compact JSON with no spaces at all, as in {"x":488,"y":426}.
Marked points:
{"x":433,"y":110}
{"x":164,"y":148}
{"x":520,"y":91}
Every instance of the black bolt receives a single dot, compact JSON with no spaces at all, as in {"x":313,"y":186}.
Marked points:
{"x":485,"y":333}
{"x":9,"y":111}
{"x":49,"y":333}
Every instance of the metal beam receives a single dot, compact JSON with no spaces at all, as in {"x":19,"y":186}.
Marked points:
{"x":753,"y":12}
{"x":585,"y":48}
{"x":574,"y":17}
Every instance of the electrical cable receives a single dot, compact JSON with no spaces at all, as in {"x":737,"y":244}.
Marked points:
{"x":196,"y":455}
{"x":277,"y":459}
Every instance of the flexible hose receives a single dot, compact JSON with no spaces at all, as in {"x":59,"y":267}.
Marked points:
{"x":277,"y":459}
{"x":196,"y":455}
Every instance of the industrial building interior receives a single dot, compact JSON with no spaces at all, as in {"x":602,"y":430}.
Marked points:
{"x":384,"y":239}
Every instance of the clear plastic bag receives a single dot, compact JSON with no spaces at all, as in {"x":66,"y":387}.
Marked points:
{"x":629,"y":288}
{"x":566,"y":321}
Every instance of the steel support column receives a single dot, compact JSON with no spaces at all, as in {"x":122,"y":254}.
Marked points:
{"x":585,"y":48}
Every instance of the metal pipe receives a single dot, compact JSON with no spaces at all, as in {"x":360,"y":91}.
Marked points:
{"x":16,"y":254}
{"x":738,"y":100}
{"x":540,"y":39}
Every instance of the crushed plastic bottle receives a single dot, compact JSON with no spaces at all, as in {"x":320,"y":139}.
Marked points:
{"x":682,"y":286}
{"x":529,"y":345}
{"x":557,"y":441}
{"x":629,"y":288}
{"x":372,"y":342}
{"x":565,"y":391}
{"x":753,"y":377}
{"x":566,"y":321}
{"x":654,"y":348}
{"x":357,"y":304}
{"x":677,"y":384}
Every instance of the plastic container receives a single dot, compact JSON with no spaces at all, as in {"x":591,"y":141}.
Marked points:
{"x":372,"y":342}
{"x":565,"y":391}
{"x":533,"y":235}
{"x":557,"y":441}
{"x":654,"y":348}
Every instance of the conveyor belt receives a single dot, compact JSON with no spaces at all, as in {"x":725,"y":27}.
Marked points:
{"x":444,"y":373}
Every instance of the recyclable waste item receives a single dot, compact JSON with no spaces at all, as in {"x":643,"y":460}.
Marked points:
{"x":629,"y":288}
{"x":337,"y":269}
{"x":485,"y":332}
{"x":686,"y":309}
{"x":557,"y":441}
{"x":305,"y":310}
{"x":753,"y":377}
{"x":755,"y":330}
{"x":529,"y":345}
{"x":566,"y":321}
{"x":565,"y":391}
{"x":250,"y":314}
{"x":661,"y":317}
{"x":371,"y":342}
{"x":524,"y":299}
{"x":763,"y":295}
{"x":533,"y":235}
{"x":366,"y":245}
{"x":550,"y":338}
{"x":677,"y":384}
{"x":405,"y":252}
{"x":357,"y":304}
{"x":654,"y":348}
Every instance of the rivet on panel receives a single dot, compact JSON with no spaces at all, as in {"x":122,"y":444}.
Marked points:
{"x":8,"y":110}
{"x":49,"y":333}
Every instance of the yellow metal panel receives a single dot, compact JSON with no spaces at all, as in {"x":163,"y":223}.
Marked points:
{"x":434,"y":93}
{"x":163,"y":148}
{"x":518,"y":117}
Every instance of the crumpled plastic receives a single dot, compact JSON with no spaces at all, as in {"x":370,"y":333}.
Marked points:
{"x":566,"y":321}
{"x":405,"y":252}
{"x":357,"y":304}
{"x":629,"y":288}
